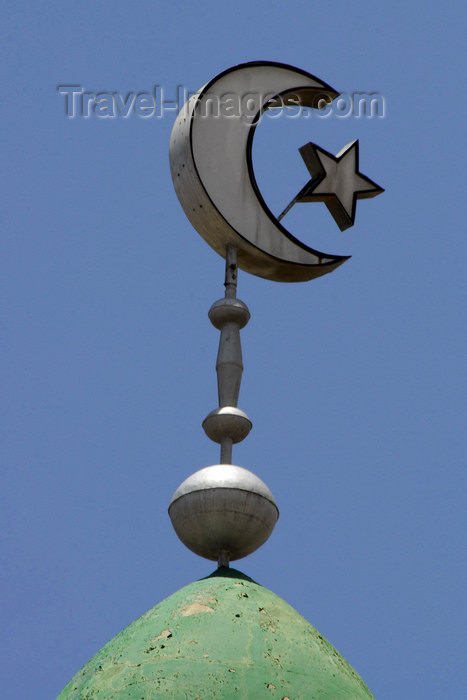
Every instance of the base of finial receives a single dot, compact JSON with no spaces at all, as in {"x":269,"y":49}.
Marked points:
{"x":223,"y":560}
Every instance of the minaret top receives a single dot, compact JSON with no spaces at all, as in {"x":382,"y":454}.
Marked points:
{"x":224,"y":512}
{"x":212,"y":171}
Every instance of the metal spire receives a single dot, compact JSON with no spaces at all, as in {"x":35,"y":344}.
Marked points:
{"x":227,"y":424}
{"x":225,"y":512}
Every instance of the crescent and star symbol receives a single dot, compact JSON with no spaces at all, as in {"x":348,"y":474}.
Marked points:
{"x":212,"y":170}
{"x":336,"y":181}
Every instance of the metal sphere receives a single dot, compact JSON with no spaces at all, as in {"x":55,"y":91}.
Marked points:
{"x":229,"y":311}
{"x":223,"y":511}
{"x":227,"y":421}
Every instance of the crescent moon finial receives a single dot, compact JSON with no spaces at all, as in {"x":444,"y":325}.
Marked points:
{"x":212,"y":169}
{"x":225,"y":512}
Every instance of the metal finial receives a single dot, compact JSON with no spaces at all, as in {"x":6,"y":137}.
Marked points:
{"x":224,"y":512}
{"x":228,"y":424}
{"x":211,"y":165}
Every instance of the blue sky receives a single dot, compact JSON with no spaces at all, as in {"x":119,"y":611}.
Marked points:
{"x":355,"y":382}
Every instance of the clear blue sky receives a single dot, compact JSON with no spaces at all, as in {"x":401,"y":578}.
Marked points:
{"x":355,"y":382}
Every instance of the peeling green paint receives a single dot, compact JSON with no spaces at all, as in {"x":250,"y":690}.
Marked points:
{"x":224,"y":637}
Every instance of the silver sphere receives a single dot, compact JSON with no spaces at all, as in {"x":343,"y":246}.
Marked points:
{"x":223,"y":511}
{"x":229,"y":310}
{"x":227,"y":421}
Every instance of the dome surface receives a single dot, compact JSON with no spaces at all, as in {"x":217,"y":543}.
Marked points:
{"x":223,"y":637}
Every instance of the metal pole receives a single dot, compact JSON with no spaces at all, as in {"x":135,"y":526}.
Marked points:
{"x":227,"y":424}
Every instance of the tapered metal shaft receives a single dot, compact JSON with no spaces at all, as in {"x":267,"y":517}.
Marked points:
{"x":228,"y":424}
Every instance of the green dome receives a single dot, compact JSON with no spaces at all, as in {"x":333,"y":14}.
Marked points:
{"x":223,"y":637}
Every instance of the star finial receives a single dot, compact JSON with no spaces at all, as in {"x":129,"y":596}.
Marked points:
{"x":336,"y":181}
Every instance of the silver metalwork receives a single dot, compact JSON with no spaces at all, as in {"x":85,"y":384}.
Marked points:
{"x":223,"y":476}
{"x":223,"y":512}
{"x":336,"y":181}
{"x":212,"y":168}
{"x":228,"y":425}
{"x":227,"y":421}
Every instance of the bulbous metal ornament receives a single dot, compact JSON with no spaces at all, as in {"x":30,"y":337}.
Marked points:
{"x":223,"y":512}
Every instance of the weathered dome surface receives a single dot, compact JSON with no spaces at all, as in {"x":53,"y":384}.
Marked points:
{"x":223,"y":637}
